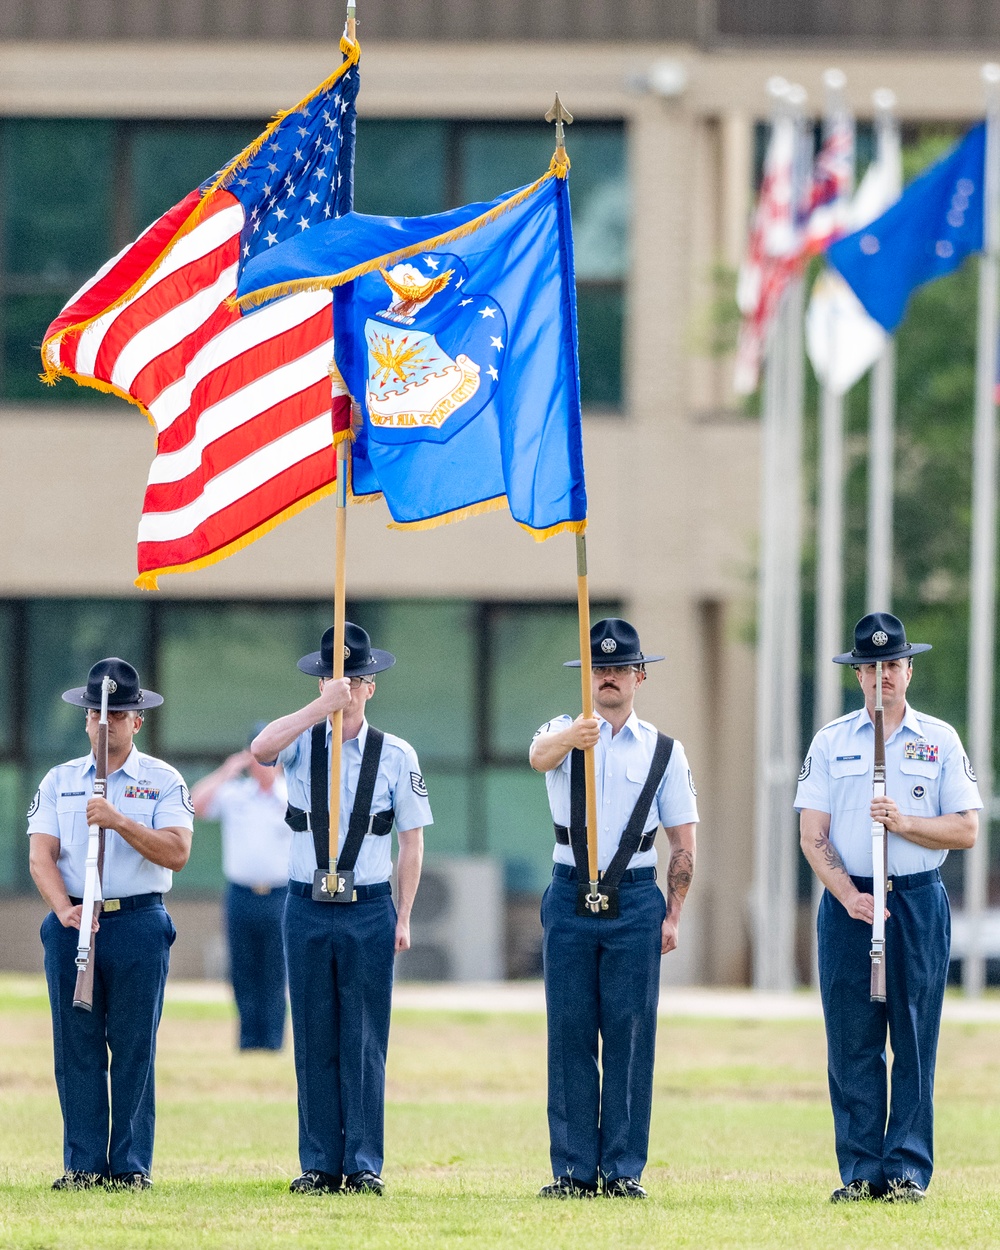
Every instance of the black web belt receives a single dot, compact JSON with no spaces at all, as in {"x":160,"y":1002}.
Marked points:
{"x":361,"y":823}
{"x":632,"y":836}
{"x":645,"y":842}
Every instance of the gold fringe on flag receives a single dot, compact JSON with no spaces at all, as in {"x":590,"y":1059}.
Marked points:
{"x":52,"y":370}
{"x":557,"y":169}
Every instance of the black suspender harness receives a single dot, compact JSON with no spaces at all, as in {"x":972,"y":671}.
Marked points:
{"x":633,"y":838}
{"x":335,"y":883}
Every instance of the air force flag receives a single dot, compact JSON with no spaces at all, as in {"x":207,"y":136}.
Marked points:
{"x":457,"y":336}
{"x":927,"y":233}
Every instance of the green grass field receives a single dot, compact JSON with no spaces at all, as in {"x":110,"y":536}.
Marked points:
{"x":741,"y":1151}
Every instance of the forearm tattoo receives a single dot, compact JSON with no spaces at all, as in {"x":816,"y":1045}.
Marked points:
{"x":679,"y":874}
{"x":831,"y":856}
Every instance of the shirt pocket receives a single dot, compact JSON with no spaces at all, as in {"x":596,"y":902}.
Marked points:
{"x":635,"y":775}
{"x":850,"y":784}
{"x":71,"y":816}
{"x":921,"y":783}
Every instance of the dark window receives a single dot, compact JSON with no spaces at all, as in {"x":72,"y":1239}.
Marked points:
{"x":76,"y":191}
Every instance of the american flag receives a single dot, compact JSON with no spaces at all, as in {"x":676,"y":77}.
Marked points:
{"x":773,"y":255}
{"x":240,"y":402}
{"x":827,"y":203}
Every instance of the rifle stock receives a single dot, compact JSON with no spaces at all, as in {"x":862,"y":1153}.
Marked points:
{"x":879,"y":853}
{"x":83,"y":993}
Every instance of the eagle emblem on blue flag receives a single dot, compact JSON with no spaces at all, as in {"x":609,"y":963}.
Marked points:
{"x":433,"y":353}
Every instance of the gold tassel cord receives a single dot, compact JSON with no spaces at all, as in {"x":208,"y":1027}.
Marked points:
{"x":50,"y":346}
{"x":255,"y":298}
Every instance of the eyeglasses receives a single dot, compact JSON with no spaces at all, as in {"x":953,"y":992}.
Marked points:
{"x":620,"y":671}
{"x":356,"y":681}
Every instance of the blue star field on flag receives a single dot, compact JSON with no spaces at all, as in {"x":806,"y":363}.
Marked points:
{"x":927,"y":233}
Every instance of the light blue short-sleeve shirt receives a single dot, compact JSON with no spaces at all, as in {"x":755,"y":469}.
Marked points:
{"x":255,"y":839}
{"x":145,"y":789}
{"x":399,"y":784}
{"x":927,"y":773}
{"x":622,"y":764}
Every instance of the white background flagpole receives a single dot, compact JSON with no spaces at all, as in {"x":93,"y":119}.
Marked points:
{"x":882,"y":408}
{"x":777,"y":737}
{"x":982,"y":606}
{"x":828,"y":679}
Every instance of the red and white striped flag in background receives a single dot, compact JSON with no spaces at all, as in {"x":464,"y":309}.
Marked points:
{"x":774,"y":252}
{"x":241,"y":402}
{"x":828,"y":199}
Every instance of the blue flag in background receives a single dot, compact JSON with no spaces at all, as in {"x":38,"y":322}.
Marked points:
{"x":457,"y":335}
{"x":927,"y":233}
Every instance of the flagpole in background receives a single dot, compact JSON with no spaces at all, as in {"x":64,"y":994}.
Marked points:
{"x":882,"y":405}
{"x":982,"y":606}
{"x":778,"y":663}
{"x":829,"y":625}
{"x":830,"y":513}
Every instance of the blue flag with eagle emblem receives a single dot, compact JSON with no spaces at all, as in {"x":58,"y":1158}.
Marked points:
{"x":456,"y":334}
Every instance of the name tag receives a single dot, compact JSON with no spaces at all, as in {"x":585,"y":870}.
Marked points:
{"x":926,"y":752}
{"x":841,"y":759}
{"x":72,"y":794}
{"x":148,"y":793}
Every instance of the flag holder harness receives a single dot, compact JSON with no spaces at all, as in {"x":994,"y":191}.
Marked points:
{"x":335,"y":884}
{"x":633,"y":838}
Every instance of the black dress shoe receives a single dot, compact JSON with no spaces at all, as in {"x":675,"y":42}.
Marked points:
{"x":364,"y":1183}
{"x":904,"y":1190}
{"x":79,"y":1180}
{"x":854,"y":1191}
{"x":624,"y":1187}
{"x":313,"y":1182}
{"x":130,"y":1180}
{"x":567,"y":1187}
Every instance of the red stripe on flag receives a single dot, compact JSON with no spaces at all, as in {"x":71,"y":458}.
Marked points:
{"x":237,"y":444}
{"x":243,"y":369}
{"x":234,"y":523}
{"x":161,"y":298}
{"x":131,"y":265}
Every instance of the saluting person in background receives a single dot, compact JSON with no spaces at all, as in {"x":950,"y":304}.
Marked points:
{"x":931,"y":806}
{"x":602,"y":973}
{"x":249,"y":801}
{"x":148,"y":818}
{"x":340,"y":953}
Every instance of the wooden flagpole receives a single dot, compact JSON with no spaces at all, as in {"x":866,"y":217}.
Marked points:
{"x":562,"y":117}
{"x":339,"y":604}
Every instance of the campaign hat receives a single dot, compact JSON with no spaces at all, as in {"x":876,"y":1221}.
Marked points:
{"x":614,"y":643}
{"x":880,"y":636}
{"x":125,"y":696}
{"x":361,"y":659}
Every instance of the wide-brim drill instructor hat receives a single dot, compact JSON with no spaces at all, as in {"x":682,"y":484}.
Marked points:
{"x":125,"y":695}
{"x":361,"y":659}
{"x":614,"y":644}
{"x":880,"y":636}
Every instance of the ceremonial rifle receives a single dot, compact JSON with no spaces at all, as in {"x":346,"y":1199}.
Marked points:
{"x":879,"y":851}
{"x":83,"y":994}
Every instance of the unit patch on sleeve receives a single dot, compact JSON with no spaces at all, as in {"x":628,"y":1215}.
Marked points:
{"x":926,"y":752}
{"x":143,"y":791}
{"x":418,"y":785}
{"x":804,"y":770}
{"x":33,"y":805}
{"x":970,"y":772}
{"x":691,"y":784}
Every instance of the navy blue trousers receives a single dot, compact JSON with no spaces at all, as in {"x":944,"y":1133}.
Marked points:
{"x":340,"y":966}
{"x":257,"y":964}
{"x":881,"y":1139}
{"x":131,"y":954}
{"x":602,"y":981}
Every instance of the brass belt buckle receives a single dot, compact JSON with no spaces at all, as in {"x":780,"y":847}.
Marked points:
{"x":111,"y":904}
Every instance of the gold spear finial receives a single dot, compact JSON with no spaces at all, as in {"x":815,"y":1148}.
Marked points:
{"x":559,"y":114}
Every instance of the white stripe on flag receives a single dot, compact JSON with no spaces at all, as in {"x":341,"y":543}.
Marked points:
{"x":238,"y":482}
{"x":266,"y":323}
{"x":238,"y":408}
